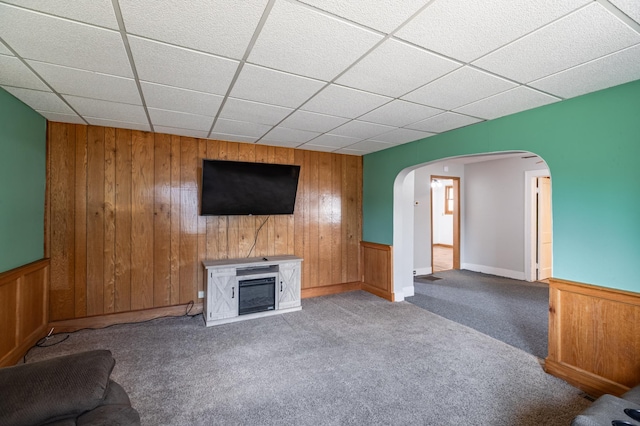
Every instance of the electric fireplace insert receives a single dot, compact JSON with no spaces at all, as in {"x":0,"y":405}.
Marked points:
{"x":256,"y":295}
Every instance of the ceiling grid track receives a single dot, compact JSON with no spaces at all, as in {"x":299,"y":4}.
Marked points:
{"x":125,"y":41}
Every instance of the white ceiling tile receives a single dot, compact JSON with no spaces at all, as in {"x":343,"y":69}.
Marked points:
{"x":278,"y":143}
{"x":344,"y":102}
{"x":181,"y":100}
{"x":630,"y":7}
{"x":305,"y":42}
{"x":399,"y":113}
{"x":99,"y":109}
{"x":289,"y":135}
{"x":395,"y":68}
{"x":60,"y":41}
{"x":580,"y":37}
{"x":255,"y":112}
{"x":312,"y":121}
{"x":96,"y":12}
{"x":181,"y":132}
{"x":321,"y":148}
{"x":232,"y":138}
{"x":4,"y":50}
{"x":38,"y":100}
{"x":274,"y":87}
{"x":466,"y":30}
{"x":509,"y":102}
{"x":215,"y":26}
{"x":382,"y":15}
{"x":370,"y":146}
{"x":118,"y":123}
{"x":400,"y":136}
{"x":348,"y":151}
{"x":608,"y":71}
{"x":14,"y":73}
{"x":240,"y":128}
{"x":361,"y":129}
{"x":88,"y":84}
{"x":463,"y":86}
{"x":184,"y":68}
{"x":334,"y":141}
{"x":180,"y":120}
{"x":61,"y":118}
{"x":443,"y":122}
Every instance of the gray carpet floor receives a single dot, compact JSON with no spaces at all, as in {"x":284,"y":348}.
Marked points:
{"x":515,"y":312}
{"x":348,"y":359}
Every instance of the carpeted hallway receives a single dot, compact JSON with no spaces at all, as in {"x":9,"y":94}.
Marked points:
{"x":515,"y":312}
{"x":348,"y":359}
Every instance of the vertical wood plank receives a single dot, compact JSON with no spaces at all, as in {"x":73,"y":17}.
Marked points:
{"x":233,"y":222}
{"x":123,"y":221}
{"x":95,"y":220}
{"x":290,"y":159}
{"x":212,"y":221}
{"x":324,"y":219}
{"x":262,"y":241}
{"x":188,"y":219}
{"x":354,"y":236}
{"x":61,"y":202}
{"x":313,"y":222}
{"x":80,"y":293}
{"x":246,"y":224}
{"x":299,"y":213}
{"x":109,"y":219}
{"x":223,"y":221}
{"x":142,"y":170}
{"x":336,"y":220}
{"x":281,"y":235}
{"x":176,"y":209}
{"x":202,"y":221}
{"x":162,"y":221}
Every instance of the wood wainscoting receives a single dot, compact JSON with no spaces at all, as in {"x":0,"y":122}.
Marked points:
{"x":123,"y":229}
{"x":594,"y":337}
{"x":377,"y":269}
{"x":23,"y":309}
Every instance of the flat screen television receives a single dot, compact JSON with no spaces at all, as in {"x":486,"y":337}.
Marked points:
{"x":243,"y":188}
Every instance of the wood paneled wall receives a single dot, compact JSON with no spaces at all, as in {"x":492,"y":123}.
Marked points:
{"x":124,"y":234}
{"x":377,"y":269}
{"x":594,"y":337}
{"x":23,"y":309}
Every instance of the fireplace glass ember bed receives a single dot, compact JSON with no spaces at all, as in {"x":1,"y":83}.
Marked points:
{"x":256,"y":295}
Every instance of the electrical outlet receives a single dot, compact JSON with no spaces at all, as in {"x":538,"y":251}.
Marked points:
{"x":201,"y":295}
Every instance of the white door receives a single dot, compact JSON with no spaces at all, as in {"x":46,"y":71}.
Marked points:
{"x":222,"y":291}
{"x":289,"y":286}
{"x":545,"y":229}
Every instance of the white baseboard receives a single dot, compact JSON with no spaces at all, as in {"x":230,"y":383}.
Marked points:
{"x":408,"y":292}
{"x":516,"y":275}
{"x":422,"y":271}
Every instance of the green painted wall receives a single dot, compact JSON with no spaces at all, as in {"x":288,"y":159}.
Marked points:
{"x":23,"y":152}
{"x":592,"y":146}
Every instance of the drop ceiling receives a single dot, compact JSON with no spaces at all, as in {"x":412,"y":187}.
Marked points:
{"x":352,"y":77}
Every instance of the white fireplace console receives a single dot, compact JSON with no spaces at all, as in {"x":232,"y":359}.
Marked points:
{"x":223,"y":279}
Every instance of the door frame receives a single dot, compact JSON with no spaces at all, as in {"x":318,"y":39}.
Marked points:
{"x":456,"y":217}
{"x":530,"y":214}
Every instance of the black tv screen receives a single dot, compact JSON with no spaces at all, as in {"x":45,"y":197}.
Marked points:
{"x":242,"y":188}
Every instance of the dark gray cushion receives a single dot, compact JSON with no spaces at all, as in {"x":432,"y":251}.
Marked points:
{"x":110,"y":415}
{"x":603,"y":411}
{"x":54,"y":389}
{"x":115,"y":395}
{"x":633,"y":395}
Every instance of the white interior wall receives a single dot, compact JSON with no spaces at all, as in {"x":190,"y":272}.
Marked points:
{"x":493,"y":241}
{"x":422,"y":211}
{"x":442,"y":223}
